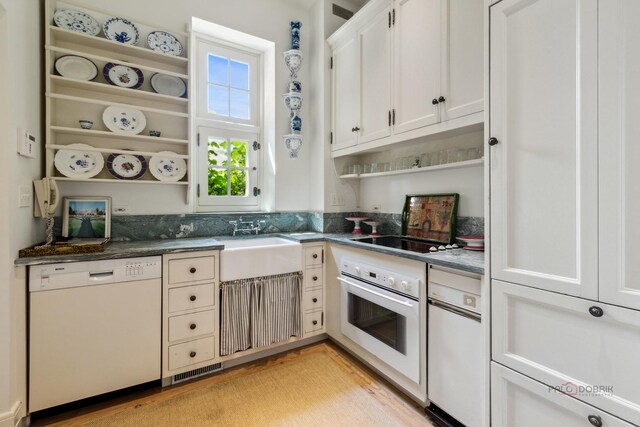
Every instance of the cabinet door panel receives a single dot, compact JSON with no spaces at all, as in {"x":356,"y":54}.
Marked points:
{"x":462,"y":65}
{"x":375,"y":77}
{"x":619,"y":64}
{"x":555,"y":339}
{"x":416,"y":63}
{"x":518,"y":401}
{"x":544,"y":106}
{"x":346,"y":93}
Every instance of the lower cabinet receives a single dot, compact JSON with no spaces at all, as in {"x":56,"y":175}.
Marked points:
{"x":190,"y":314}
{"x":519,"y":401}
{"x":313,"y":289}
{"x":587,"y":349}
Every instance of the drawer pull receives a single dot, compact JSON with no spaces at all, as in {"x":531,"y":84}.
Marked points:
{"x":192,"y":270}
{"x":315,"y":300}
{"x":595,"y":420}
{"x":315,"y":278}
{"x":315,"y":256}
{"x":192,"y":298}
{"x":192,"y":354}
{"x":315,"y":322}
{"x":192,"y":326}
{"x":596,"y":311}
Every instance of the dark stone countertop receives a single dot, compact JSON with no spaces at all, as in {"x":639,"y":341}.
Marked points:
{"x":461,"y":259}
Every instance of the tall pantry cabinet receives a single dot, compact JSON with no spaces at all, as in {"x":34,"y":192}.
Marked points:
{"x":565,"y":211}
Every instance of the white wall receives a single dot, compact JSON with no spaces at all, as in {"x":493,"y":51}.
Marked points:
{"x":268,"y":19}
{"x":20,"y":106}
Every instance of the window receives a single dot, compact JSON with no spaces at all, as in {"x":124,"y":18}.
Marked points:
{"x":229,"y":126}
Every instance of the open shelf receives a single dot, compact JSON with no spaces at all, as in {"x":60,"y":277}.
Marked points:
{"x":456,"y":165}
{"x":60,"y":130}
{"x":121,"y":181}
{"x":119,"y":104}
{"x":116,"y":151}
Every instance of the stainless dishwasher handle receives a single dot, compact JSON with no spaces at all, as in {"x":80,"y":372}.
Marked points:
{"x":101,"y":276}
{"x":455,"y":310}
{"x":375,"y":293}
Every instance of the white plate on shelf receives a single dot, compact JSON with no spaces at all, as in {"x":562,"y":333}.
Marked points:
{"x":74,"y":162}
{"x":76,"y":67}
{"x":126,"y":166}
{"x":124,"y":120}
{"x":168,"y":85}
{"x":121,"y":31}
{"x":168,"y":169}
{"x":123,"y":76}
{"x":75,"y":20}
{"x":163,"y":42}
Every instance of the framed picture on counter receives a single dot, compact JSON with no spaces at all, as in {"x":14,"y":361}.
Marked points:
{"x":86,"y":219}
{"x":431,"y":217}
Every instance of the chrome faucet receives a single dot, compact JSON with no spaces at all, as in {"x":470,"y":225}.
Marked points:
{"x":246,"y":227}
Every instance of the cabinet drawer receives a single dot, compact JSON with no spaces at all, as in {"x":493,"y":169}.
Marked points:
{"x":554,"y":339}
{"x":312,"y":300}
{"x":313,"y":321}
{"x":191,"y":297}
{"x":519,"y":401}
{"x":191,"y":352}
{"x":313,"y":256}
{"x":313,"y":278}
{"x":191,"y":325}
{"x":191,"y":269}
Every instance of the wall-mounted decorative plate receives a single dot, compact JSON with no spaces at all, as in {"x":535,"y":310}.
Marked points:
{"x":168,"y":85}
{"x":76,"y":67}
{"x":73,"y":162}
{"x":75,"y":20}
{"x":126,"y":166}
{"x":168,"y":169}
{"x":124,"y":120}
{"x":123,"y":76}
{"x":121,"y":31}
{"x":163,"y":42}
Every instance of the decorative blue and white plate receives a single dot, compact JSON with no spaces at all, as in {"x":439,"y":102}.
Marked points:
{"x":76,"y":67}
{"x":163,"y":42}
{"x":75,"y":20}
{"x":124,"y":120}
{"x":123,"y":76}
{"x":126,"y":166}
{"x":121,"y":30}
{"x":168,"y":85}
{"x":74,"y":162}
{"x":168,"y":169}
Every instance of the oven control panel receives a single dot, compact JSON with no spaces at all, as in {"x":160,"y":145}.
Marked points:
{"x":382,"y":277}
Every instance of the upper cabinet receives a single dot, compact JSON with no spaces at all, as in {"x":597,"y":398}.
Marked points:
{"x":417,"y":71}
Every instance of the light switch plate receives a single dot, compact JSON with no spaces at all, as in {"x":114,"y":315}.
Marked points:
{"x":25,"y":196}
{"x":26,"y":144}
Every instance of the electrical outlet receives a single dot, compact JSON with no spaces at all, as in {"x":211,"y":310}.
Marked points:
{"x":25,"y":196}
{"x":377,"y":206}
{"x":121,"y":210}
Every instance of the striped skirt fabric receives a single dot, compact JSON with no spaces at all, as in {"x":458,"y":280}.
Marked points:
{"x":260,"y":311}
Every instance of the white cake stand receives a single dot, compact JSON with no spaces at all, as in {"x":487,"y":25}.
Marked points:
{"x":357,"y":220}
{"x":374,"y":225}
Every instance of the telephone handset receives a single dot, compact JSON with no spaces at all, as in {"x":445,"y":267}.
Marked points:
{"x":47,"y":197}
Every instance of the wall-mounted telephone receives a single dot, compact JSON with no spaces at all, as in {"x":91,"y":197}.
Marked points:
{"x":47,"y":197}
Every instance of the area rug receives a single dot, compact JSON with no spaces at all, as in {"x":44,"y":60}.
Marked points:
{"x":313,"y":390}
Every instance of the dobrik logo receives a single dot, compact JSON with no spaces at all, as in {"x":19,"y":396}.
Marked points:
{"x":573,"y":389}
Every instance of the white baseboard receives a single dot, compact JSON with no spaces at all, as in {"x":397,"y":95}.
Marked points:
{"x":12,"y":418}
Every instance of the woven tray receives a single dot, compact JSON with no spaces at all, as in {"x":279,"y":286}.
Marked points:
{"x":60,"y":250}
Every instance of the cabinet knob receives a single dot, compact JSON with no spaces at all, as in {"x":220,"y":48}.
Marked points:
{"x":192,"y":326}
{"x":192,"y":270}
{"x":192,"y":298}
{"x":441,"y":99}
{"x":192,"y":354}
{"x":315,"y":300}
{"x":315,"y":278}
{"x":493,"y":141}
{"x":315,"y":256}
{"x":355,"y":129}
{"x":595,"y":420}
{"x":434,"y":101}
{"x":315,"y":322}
{"x":596,"y":311}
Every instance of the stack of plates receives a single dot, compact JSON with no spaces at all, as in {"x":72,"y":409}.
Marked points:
{"x":473,"y":243}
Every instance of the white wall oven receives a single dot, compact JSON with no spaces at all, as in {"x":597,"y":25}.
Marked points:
{"x":380,"y":312}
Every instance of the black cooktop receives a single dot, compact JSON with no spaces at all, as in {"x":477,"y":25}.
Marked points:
{"x":400,"y":242}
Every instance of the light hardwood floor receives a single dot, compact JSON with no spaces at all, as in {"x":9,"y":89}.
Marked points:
{"x":403,"y":408}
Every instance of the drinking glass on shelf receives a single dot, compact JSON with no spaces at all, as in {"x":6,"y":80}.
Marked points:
{"x":451,"y":155}
{"x":474,"y":153}
{"x":425,"y":160}
{"x":375,"y":167}
{"x":387,"y":167}
{"x":366,"y":168}
{"x":461,"y":155}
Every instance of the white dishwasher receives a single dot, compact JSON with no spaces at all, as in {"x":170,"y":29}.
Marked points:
{"x":94,"y":327}
{"x":454,"y":361}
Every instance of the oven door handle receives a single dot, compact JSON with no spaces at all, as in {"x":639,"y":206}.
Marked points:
{"x":375,"y":293}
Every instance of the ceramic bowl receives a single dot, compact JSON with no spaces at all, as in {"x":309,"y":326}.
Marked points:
{"x":85,"y":124}
{"x":155,"y":133}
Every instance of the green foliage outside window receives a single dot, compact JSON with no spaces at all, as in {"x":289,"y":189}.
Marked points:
{"x":223,"y":173}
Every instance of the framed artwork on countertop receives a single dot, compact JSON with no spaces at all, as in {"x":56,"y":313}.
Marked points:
{"x":86,"y":219}
{"x":431,"y":217}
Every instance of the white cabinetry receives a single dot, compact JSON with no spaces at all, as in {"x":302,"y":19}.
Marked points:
{"x":313,"y":292}
{"x":189,"y":320}
{"x":419,"y":72}
{"x":69,"y":100}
